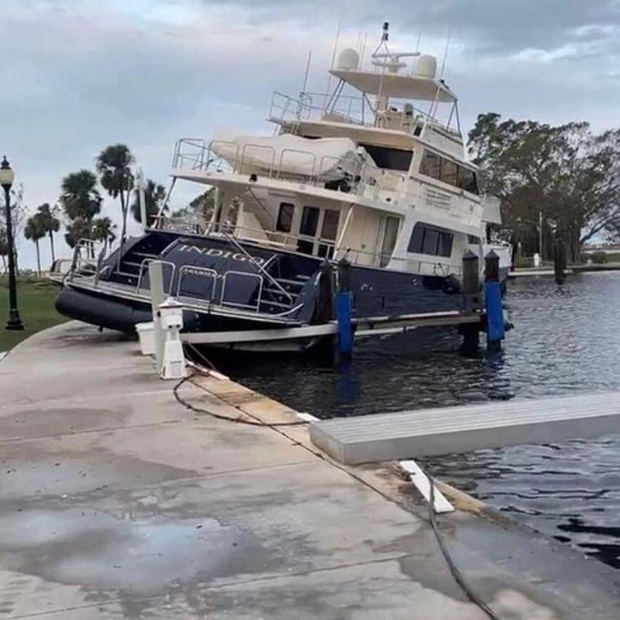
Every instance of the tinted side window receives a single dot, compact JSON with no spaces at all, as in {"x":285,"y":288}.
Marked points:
{"x":392,"y":159}
{"x":309,"y":221}
{"x":285,"y":217}
{"x":467,"y":180}
{"x":449,"y":172}
{"x":432,"y":241}
{"x":431,"y":165}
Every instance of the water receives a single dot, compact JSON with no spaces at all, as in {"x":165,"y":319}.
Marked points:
{"x":566,"y":340}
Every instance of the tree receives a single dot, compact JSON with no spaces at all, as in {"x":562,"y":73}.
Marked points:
{"x":81,"y":202}
{"x":50,"y":223}
{"x":80,"y":198}
{"x":565,"y":176}
{"x":34,"y":231}
{"x":201,"y":207}
{"x":103,"y":230}
{"x":154,"y":196}
{"x":4,"y":248}
{"x":18,"y":219}
{"x":114,"y":169}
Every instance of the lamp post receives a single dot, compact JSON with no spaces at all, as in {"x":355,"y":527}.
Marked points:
{"x":6,"y":180}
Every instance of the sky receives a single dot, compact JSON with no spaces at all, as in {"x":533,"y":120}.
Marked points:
{"x":78,"y":75}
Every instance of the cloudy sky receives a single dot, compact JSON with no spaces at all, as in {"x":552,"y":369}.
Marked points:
{"x":77,"y":75}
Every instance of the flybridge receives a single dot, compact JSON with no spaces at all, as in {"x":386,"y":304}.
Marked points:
{"x":392,"y":94}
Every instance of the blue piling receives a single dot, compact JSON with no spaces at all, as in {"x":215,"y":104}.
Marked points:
{"x":344,"y":309}
{"x":493,"y":302}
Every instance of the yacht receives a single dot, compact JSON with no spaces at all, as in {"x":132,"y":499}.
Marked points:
{"x":372,"y":174}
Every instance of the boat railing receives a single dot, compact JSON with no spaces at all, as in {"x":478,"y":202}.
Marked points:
{"x":259,"y":266}
{"x":193,"y":270}
{"x":282,"y":164}
{"x":353,"y":110}
{"x":307,"y":106}
{"x":144,"y":269}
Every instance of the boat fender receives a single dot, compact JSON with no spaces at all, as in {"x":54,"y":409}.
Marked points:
{"x":451,"y":285}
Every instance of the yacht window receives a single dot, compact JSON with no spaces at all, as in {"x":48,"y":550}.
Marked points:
{"x":392,"y":159}
{"x":329,"y":230}
{"x":431,"y":165}
{"x":429,"y":240}
{"x":449,"y":172}
{"x":467,"y":180}
{"x":472,"y":240}
{"x":307,"y":227}
{"x":309,"y":221}
{"x":285,"y":217}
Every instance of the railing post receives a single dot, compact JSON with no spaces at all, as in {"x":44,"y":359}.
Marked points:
{"x":343,"y":309}
{"x":493,"y":302}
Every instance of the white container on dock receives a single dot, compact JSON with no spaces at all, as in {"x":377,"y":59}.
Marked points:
{"x":146,"y":334}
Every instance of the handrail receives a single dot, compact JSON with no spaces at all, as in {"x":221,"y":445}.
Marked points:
{"x":210,"y":272}
{"x":258,"y":265}
{"x":145,"y":262}
{"x":246,"y":275}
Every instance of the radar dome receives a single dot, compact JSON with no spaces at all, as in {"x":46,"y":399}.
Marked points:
{"x":348,"y":60}
{"x":426,"y":67}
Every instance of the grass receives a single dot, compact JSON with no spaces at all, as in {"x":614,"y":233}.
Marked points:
{"x":35,"y":300}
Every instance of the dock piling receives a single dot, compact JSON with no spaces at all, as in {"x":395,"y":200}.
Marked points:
{"x":493,"y":302}
{"x":559,"y":261}
{"x":471,"y":302}
{"x":343,"y":309}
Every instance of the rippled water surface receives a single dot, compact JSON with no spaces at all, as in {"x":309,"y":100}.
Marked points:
{"x":566,"y":341}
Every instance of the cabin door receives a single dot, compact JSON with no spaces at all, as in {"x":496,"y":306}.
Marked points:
{"x":390,"y":233}
{"x":318,"y":225}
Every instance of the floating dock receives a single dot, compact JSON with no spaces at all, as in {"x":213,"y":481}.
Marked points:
{"x":433,"y":432}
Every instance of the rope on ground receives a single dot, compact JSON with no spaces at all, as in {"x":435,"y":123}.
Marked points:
{"x":240,"y":420}
{"x":454,"y":570}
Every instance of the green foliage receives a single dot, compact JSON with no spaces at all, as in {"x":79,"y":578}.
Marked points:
{"x":34,"y":231}
{"x":80,"y":198}
{"x":117,"y":178}
{"x":36,"y":308}
{"x":201,"y":207}
{"x":599,"y":258}
{"x":566,"y":172}
{"x":50,"y":222}
{"x":154,"y":196}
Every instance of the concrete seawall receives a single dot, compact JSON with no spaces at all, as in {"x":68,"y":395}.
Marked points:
{"x":117,"y":501}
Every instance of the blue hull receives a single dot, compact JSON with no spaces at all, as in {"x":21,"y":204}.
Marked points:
{"x":247,"y":286}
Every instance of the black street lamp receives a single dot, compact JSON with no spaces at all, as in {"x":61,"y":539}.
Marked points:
{"x":6,"y":180}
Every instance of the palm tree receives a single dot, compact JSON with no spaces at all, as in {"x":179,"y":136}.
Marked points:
{"x":50,"y":223}
{"x":33,"y":231}
{"x":154,"y":196}
{"x":103,"y":230}
{"x":114,"y":169}
{"x":80,"y":198}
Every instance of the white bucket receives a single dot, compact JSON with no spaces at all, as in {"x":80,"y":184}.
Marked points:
{"x":146,"y":334}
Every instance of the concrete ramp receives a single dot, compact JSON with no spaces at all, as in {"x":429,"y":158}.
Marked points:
{"x":432,"y":432}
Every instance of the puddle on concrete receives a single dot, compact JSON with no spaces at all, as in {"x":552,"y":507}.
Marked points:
{"x":100,"y":551}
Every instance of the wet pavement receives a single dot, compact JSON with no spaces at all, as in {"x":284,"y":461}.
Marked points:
{"x":118,"y":502}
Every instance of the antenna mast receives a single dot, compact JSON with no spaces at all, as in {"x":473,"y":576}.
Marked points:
{"x":445,"y":55}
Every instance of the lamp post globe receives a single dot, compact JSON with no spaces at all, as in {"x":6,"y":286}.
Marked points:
{"x":7,"y":176}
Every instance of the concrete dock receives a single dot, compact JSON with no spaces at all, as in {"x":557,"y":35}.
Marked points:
{"x":116,"y":501}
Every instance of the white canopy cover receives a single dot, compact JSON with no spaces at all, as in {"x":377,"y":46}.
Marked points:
{"x":329,"y":159}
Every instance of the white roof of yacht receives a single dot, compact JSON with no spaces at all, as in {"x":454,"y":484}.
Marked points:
{"x":396,"y":85}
